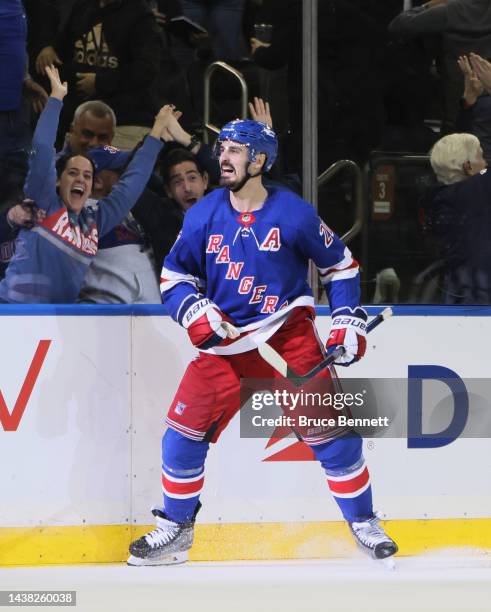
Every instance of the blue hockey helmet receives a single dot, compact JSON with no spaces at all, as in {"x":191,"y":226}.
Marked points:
{"x":257,"y":136}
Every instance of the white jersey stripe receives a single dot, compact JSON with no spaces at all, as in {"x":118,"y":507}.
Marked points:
{"x":193,"y":431}
{"x":337,"y":276}
{"x":180,"y":495}
{"x":354,"y":493}
{"x":349,"y":476}
{"x":344,"y":263}
{"x":170,"y":279}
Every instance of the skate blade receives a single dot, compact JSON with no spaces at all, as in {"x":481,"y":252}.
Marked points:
{"x":175,"y":559}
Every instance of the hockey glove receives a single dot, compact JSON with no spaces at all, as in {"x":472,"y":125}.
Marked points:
{"x":206,"y":324}
{"x":348,"y":329}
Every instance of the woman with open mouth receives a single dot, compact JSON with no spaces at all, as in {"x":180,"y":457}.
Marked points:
{"x":51,"y":259}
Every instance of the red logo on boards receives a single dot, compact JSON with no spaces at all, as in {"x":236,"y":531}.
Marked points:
{"x":10,"y":420}
{"x":291,"y":450}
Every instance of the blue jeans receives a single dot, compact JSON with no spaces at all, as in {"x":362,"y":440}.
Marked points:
{"x":223,"y":20}
{"x":13,"y":31}
{"x":14,"y":111}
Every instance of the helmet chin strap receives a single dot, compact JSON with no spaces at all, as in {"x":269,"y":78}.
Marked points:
{"x":246,"y":178}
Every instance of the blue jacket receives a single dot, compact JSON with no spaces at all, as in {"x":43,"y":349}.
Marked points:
{"x":11,"y":8}
{"x":459,"y":219}
{"x":51,"y":260}
{"x":13,"y":33}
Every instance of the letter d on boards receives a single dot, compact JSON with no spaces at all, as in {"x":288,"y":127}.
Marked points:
{"x":415,"y":436}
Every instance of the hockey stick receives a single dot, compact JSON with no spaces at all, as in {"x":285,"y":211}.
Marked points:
{"x":271,"y":356}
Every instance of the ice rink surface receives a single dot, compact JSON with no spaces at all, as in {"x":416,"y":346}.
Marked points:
{"x":427,"y":583}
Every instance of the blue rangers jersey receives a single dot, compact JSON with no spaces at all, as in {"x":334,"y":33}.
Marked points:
{"x":254,"y":265}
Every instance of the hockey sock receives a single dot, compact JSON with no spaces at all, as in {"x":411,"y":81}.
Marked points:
{"x":183,"y":467}
{"x":347,"y":476}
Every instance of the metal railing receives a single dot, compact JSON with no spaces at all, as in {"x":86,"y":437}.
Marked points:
{"x":347,"y":164}
{"x":212,"y":68}
{"x":380,"y":158}
{"x":310,"y":165}
{"x":356,"y":228}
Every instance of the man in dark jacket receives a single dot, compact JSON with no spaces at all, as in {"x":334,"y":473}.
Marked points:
{"x":465,"y":26}
{"x":111,"y":50}
{"x":351,"y":63}
{"x":459,"y":216}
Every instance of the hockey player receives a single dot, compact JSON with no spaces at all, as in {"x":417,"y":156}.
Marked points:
{"x":236,"y":277}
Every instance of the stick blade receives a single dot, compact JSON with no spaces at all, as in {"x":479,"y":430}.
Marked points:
{"x":387,"y":312}
{"x":274,"y":359}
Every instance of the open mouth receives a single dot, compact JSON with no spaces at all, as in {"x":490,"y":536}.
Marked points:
{"x":227,"y":170}
{"x":77,"y":194}
{"x":191,"y":201}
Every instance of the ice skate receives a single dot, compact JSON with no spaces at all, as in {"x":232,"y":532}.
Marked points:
{"x":373,"y":540}
{"x":168,"y":544}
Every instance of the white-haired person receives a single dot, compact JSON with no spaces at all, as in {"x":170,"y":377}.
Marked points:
{"x":458,"y":213}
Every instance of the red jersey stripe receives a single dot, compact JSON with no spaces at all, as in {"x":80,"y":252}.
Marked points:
{"x":182,"y":487}
{"x":349,"y":486}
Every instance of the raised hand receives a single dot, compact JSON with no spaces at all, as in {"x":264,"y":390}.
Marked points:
{"x":259,"y":111}
{"x":58,"y":89}
{"x":47,"y":57}
{"x":166,"y":116}
{"x":175,"y":130}
{"x":472,"y":85}
{"x":482,"y":69}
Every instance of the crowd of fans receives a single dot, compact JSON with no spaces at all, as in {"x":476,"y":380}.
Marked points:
{"x":385,"y":70}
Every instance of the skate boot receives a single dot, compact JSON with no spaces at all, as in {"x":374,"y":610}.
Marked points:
{"x":168,"y":544}
{"x":372,"y":539}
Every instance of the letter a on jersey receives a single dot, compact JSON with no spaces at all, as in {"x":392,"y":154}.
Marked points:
{"x":224,"y":255}
{"x":272,"y":242}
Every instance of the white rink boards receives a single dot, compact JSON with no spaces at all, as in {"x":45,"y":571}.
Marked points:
{"x":86,"y":418}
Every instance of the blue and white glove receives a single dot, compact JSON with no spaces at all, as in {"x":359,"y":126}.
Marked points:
{"x":349,"y":330}
{"x":206,"y":324}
